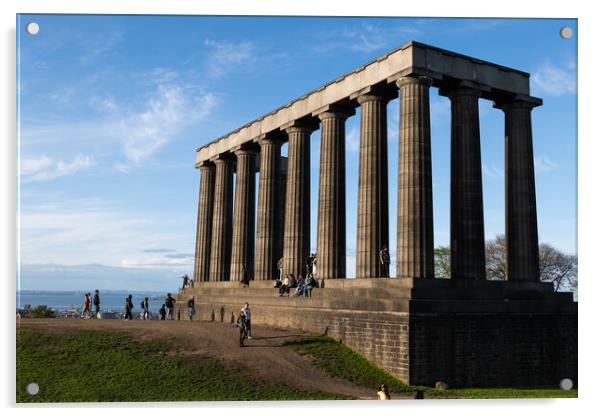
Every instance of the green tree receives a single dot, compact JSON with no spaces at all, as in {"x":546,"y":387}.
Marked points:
{"x":554,"y":265}
{"x":41,"y":312}
{"x":442,"y":262}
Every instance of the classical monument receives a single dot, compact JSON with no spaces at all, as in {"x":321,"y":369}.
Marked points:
{"x":466,"y":331}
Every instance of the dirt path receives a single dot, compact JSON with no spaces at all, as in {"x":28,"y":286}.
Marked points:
{"x":265,"y":355}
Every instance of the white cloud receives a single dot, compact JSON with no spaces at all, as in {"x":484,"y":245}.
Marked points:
{"x":554,"y":80}
{"x":544,"y":164}
{"x":96,"y":47}
{"x":365,"y":38}
{"x":352,"y":139}
{"x":103,"y":104}
{"x":170,"y":109}
{"x":44,"y":168}
{"x":226,"y":56}
{"x":493,"y":171}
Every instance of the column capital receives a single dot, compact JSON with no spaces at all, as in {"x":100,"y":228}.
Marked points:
{"x":270,"y":138}
{"x":241,"y":151}
{"x":223,"y":158}
{"x":206,"y":165}
{"x":374,"y":93}
{"x":303,"y":126}
{"x":334,"y":111}
{"x":517,"y":102}
{"x":414,"y":79}
{"x":463,"y":89}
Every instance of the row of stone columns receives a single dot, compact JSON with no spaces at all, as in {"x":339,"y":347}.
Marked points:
{"x":226,"y":246}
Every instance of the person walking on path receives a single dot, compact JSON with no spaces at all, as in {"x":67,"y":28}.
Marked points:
{"x":246,"y":310}
{"x":96,"y":304}
{"x":145,"y":309}
{"x":279,"y":265}
{"x":129,"y":306}
{"x":162,"y":312}
{"x":242,"y":328}
{"x":191,"y":310}
{"x":385,"y":260}
{"x":86,"y":307}
{"x":169,"y":304}
{"x":383,"y":393}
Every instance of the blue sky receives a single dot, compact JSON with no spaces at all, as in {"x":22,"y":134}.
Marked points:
{"x":112,"y":107}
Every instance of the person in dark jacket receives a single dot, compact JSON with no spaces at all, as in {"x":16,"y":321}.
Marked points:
{"x":129,"y":306}
{"x":241,"y":323}
{"x":191,"y":310}
{"x":170,"y":304}
{"x":96,"y":303}
{"x":145,"y":309}
{"x":162,"y":312}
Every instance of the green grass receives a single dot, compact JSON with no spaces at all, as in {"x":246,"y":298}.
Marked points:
{"x":342,"y":362}
{"x":98,"y":367}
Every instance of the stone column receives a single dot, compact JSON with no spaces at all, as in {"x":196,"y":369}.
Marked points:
{"x":466,"y":220}
{"x":265,"y":243}
{"x":373,"y":204}
{"x":522,"y":245}
{"x":414,"y":189}
{"x":204,"y":223}
{"x":243,"y":234}
{"x":297,"y":201}
{"x":221,"y":244}
{"x":331,"y":255}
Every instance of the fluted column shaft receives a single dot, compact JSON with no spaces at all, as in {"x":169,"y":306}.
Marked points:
{"x":522,"y":245}
{"x":373,"y":219}
{"x":466,"y":220}
{"x":221,"y":245}
{"x":204,"y":223}
{"x":297,"y":202}
{"x":243,"y":233}
{"x":414,"y":189}
{"x":265,"y":243}
{"x":331,"y":261}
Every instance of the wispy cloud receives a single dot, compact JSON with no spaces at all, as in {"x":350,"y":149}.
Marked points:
{"x":44,"y":168}
{"x":225,"y":57}
{"x":365,"y":37}
{"x":352,"y":139}
{"x":96,"y":47}
{"x":170,"y":109}
{"x":492,"y":171}
{"x":555,"y":80}
{"x":544,"y":164}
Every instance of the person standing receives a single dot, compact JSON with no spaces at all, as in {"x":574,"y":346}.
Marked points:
{"x":129,"y":306}
{"x":242,"y":328}
{"x":246,"y":310}
{"x":169,"y":304}
{"x":385,"y":260}
{"x":185,"y":280}
{"x":145,"y":309}
{"x":191,"y":310}
{"x":86,"y":308}
{"x":245,"y":276}
{"x":162,"y":312}
{"x":96,"y":304}
{"x":279,"y":265}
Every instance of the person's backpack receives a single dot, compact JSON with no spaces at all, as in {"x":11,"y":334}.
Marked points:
{"x":142,"y":305}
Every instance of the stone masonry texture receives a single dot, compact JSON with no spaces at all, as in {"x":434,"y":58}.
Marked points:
{"x":331,"y":197}
{"x":297,"y":202}
{"x":373,"y":202}
{"x":415,"y":194}
{"x":267,"y":221}
{"x":222,"y":222}
{"x":204,"y":223}
{"x":243,"y":234}
{"x":466,"y":217}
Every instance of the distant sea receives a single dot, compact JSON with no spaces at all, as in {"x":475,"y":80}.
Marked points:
{"x":109,"y":300}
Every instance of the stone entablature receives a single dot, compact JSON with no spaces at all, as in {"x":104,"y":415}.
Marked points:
{"x":413,"y":58}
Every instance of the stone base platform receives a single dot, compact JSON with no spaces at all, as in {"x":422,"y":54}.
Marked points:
{"x":464,"y":332}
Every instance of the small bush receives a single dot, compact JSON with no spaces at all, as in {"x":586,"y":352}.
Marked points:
{"x":41,"y":312}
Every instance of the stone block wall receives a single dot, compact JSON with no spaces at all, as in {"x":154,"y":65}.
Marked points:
{"x":467,"y":334}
